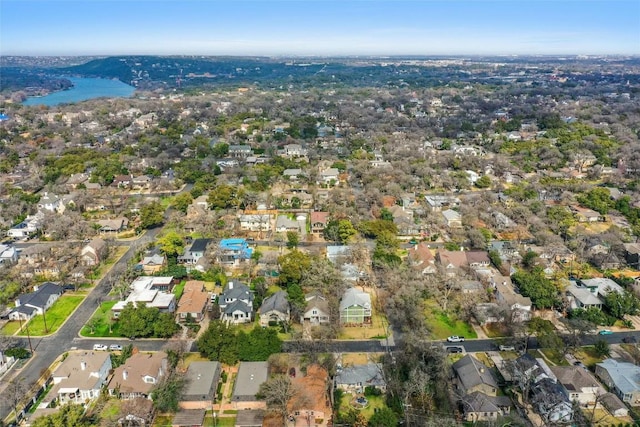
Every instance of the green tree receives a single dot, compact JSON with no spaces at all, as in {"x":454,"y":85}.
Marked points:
{"x":151,"y":215}
{"x":171,"y":243}
{"x":386,"y":215}
{"x":165,"y":326}
{"x":483,"y":182}
{"x":602,"y":348}
{"x":293,"y":239}
{"x":597,"y":199}
{"x":621,"y":304}
{"x":259,"y":344}
{"x":384,"y":417}
{"x":292,"y":267}
{"x":219,"y":342}
{"x":71,"y":415}
{"x":536,"y":286}
{"x":494,"y":256}
{"x":528,"y":260}
{"x":223,"y":197}
{"x":182,"y":201}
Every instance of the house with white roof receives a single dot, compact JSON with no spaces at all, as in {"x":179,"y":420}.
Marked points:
{"x":622,"y":378}
{"x":452,"y":218}
{"x":152,"y":291}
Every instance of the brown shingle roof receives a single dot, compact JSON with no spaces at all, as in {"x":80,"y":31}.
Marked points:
{"x":130,"y":375}
{"x":194,"y":299}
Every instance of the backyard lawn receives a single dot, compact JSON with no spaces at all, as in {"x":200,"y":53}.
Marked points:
{"x":374,"y":402}
{"x":443,"y":325}
{"x":101,"y":320}
{"x":54,"y":317}
{"x":10,"y":327}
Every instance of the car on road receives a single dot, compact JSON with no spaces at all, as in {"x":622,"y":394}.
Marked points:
{"x":115,"y":347}
{"x":455,"y":338}
{"x":580,"y":364}
{"x":507,"y":348}
{"x":455,"y":349}
{"x":630,"y":339}
{"x":605,"y":332}
{"x":100,"y":347}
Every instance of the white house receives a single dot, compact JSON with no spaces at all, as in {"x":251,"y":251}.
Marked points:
{"x":80,"y":376}
{"x":36,"y":302}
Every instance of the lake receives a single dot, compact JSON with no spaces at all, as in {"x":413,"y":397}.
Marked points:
{"x":83,"y":89}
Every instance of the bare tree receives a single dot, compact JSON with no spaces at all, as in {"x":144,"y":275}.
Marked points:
{"x":278,"y":392}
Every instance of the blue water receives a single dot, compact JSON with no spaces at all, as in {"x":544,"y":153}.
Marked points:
{"x":83,"y":89}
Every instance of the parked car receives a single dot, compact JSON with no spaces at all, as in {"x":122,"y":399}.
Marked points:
{"x":580,"y":364}
{"x":629,"y":339}
{"x":605,"y":332}
{"x":100,"y":347}
{"x":455,"y":349}
{"x":115,"y":347}
{"x":455,"y":338}
{"x":507,"y":348}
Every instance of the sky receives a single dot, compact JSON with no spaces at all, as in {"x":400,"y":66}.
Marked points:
{"x":319,"y":28}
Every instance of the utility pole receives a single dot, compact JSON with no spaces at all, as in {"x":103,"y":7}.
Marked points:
{"x":28,"y":335}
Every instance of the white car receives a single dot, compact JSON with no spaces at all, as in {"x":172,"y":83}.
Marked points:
{"x":455,"y":338}
{"x":507,"y":348}
{"x":115,"y":347}
{"x":100,"y":347}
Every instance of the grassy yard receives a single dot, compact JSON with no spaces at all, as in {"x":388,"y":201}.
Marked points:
{"x":162,"y":420}
{"x":102,"y":319}
{"x":10,"y":327}
{"x":178,"y":290}
{"x":224,"y":421}
{"x":350,"y":359}
{"x":443,"y":324}
{"x":55,"y":316}
{"x":116,"y":254}
{"x":375,"y":402}
{"x":588,"y":356}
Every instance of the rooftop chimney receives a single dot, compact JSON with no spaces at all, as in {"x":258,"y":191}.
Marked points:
{"x":125,"y":374}
{"x":231,"y":285}
{"x":83,"y":365}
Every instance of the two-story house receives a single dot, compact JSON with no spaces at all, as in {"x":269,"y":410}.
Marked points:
{"x":236,"y":303}
{"x":138,"y":375}
{"x":355,"y":307}
{"x":80,"y":377}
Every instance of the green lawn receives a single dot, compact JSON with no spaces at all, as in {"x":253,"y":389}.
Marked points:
{"x":102,"y":319}
{"x":443,"y":325}
{"x":10,"y":327}
{"x":375,"y":402}
{"x":178,"y":290}
{"x":223,"y":421}
{"x":54,"y":317}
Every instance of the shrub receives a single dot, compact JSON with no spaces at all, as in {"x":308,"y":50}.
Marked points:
{"x":18,"y":353}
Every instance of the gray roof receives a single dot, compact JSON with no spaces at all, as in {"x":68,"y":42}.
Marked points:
{"x":480,"y":402}
{"x":625,"y":375}
{"x":236,"y":290}
{"x":250,"y":376}
{"x":238,"y":305}
{"x":250,"y":418}
{"x":472,"y":372}
{"x":188,"y":418}
{"x":40,"y":297}
{"x":369,"y":374}
{"x":276,"y":302}
{"x":353,"y":297}
{"x":200,"y":377}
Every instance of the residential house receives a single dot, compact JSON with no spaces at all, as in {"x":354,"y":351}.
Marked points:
{"x":51,"y":203}
{"x":80,"y":377}
{"x":36,"y":302}
{"x":622,"y":378}
{"x":189,"y":418}
{"x":437,"y":203}
{"x":329,"y":176}
{"x":601,"y":286}
{"x":255,"y":222}
{"x":202,"y":380}
{"x":115,"y":225}
{"x":581,"y":296}
{"x":354,"y":379}
{"x":232,"y":252}
{"x":250,"y":418}
{"x":502,"y":221}
{"x":196,"y":251}
{"x":275,"y":309}
{"x":122,"y":181}
{"x":247,"y":385}
{"x":153,"y":291}
{"x":310,"y":404}
{"x":284,"y":224}
{"x":632,"y":254}
{"x":94,"y":252}
{"x":26,"y":228}
{"x":293,"y":174}
{"x":236,"y":303}
{"x":421,"y":259}
{"x":506,"y":294}
{"x":478,"y":259}
{"x":453,"y":262}
{"x":294,"y":150}
{"x":6,"y":362}
{"x":138,"y":375}
{"x":319,"y":221}
{"x":452,"y":218}
{"x":479,"y":407}
{"x":316,"y":311}
{"x":404,"y":221}
{"x":587,"y":215}
{"x":8,"y":254}
{"x":154,"y":263}
{"x":578,"y":384}
{"x":193,"y":303}
{"x":141,"y":182}
{"x":355,"y":307}
{"x":241,"y":151}
{"x":614,"y":405}
{"x":472,"y":375}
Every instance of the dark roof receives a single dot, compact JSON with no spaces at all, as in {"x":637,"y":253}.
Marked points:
{"x":250,"y":376}
{"x":40,"y":297}
{"x":480,"y":402}
{"x":238,"y":305}
{"x":472,"y":372}
{"x":250,"y":418}
{"x":199,"y":245}
{"x":188,"y":418}
{"x":236,"y":290}
{"x":277,"y":302}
